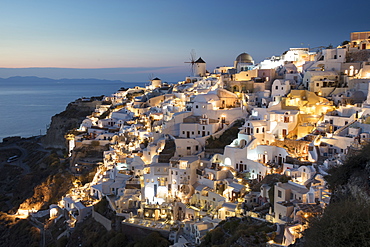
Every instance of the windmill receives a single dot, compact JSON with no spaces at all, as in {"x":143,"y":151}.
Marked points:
{"x":192,"y":61}
{"x":154,"y":82}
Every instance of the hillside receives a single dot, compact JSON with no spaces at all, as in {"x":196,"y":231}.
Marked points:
{"x":347,"y":218}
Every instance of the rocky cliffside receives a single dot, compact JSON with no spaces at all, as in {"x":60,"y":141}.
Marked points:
{"x":67,"y":120}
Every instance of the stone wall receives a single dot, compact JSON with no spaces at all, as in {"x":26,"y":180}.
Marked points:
{"x":102,"y":220}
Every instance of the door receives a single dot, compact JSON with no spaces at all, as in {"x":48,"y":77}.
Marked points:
{"x":155,"y":190}
{"x":284,"y":132}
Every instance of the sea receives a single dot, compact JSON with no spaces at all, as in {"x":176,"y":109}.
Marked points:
{"x":28,"y":103}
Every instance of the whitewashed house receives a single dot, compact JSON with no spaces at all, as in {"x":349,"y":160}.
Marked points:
{"x":156,"y":181}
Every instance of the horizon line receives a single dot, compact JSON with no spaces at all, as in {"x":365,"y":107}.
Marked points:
{"x":134,"y":67}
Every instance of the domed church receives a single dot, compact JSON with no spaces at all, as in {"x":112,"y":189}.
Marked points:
{"x":243,"y":62}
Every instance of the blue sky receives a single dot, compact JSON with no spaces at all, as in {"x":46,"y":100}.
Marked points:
{"x":156,"y":37}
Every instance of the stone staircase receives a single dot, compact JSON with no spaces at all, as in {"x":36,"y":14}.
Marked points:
{"x":340,"y":130}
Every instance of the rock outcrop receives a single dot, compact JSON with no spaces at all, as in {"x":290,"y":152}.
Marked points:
{"x":67,"y":120}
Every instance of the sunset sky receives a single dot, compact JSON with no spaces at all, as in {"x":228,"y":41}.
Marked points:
{"x":141,"y":37}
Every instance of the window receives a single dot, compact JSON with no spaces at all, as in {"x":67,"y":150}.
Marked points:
{"x":196,"y":106}
{"x":277,"y":87}
{"x":279,"y":193}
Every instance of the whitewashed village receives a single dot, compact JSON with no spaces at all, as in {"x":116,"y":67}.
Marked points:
{"x":168,"y":168}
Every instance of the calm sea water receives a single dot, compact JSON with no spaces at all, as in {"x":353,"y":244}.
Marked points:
{"x":26,"y":108}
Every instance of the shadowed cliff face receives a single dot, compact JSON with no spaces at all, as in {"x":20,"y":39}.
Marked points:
{"x":67,"y":120}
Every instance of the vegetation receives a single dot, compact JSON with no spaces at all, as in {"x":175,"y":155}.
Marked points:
{"x":132,"y":95}
{"x":226,"y":138}
{"x":344,"y":223}
{"x":356,"y":169}
{"x":101,"y":206}
{"x":346,"y":220}
{"x":17,"y":233}
{"x":105,"y":114}
{"x":154,"y":239}
{"x":92,"y":233}
{"x":239,"y":232}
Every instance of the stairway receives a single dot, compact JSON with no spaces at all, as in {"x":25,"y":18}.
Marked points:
{"x":338,"y":131}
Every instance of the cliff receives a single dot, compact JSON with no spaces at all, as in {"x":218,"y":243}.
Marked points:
{"x":67,"y":120}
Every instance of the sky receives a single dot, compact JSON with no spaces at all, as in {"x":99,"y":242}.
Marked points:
{"x":133,"y":40}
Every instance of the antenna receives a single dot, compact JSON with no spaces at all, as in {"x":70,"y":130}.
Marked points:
{"x":192,"y":61}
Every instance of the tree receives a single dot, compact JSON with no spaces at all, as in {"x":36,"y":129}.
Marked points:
{"x":346,"y":219}
{"x":344,"y":223}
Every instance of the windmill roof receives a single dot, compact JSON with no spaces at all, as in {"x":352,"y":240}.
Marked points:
{"x":200,"y":60}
